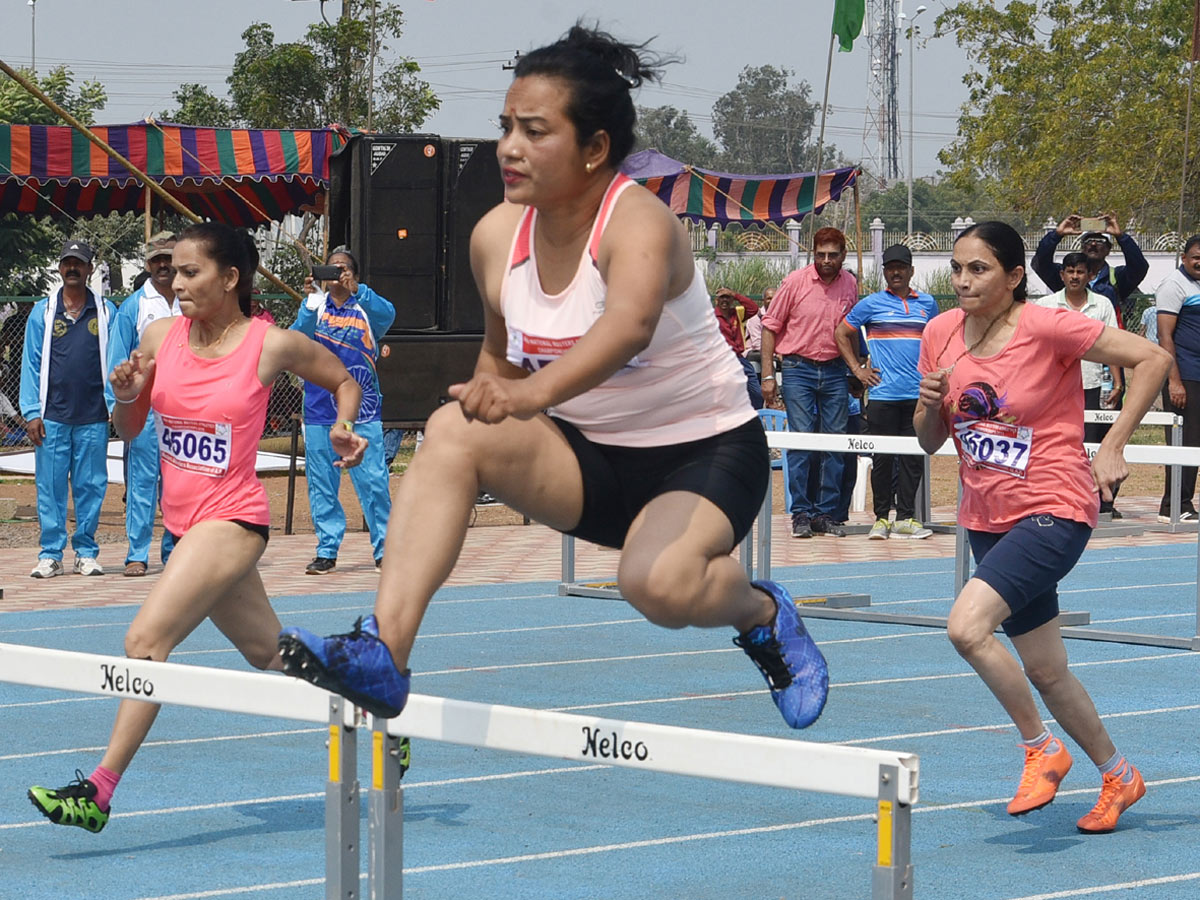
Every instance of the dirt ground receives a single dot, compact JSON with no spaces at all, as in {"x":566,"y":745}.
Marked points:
{"x":22,"y":531}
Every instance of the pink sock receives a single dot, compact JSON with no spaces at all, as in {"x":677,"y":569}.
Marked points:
{"x":106,"y":782}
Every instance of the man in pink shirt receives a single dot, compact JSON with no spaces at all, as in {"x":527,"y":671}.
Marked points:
{"x":799,"y":326}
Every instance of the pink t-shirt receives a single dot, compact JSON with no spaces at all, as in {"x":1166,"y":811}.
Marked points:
{"x":1017,"y":418}
{"x":210,"y":415}
{"x":805,"y":313}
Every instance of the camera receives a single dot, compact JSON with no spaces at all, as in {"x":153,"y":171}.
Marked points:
{"x":326,"y":273}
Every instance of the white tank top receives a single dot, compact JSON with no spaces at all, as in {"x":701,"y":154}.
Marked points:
{"x":685,"y":386}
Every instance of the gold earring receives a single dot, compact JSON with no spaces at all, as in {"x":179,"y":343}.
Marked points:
{"x":588,"y":168}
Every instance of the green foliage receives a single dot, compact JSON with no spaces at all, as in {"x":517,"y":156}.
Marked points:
{"x":749,"y":275}
{"x":19,"y":106}
{"x":197,"y":105}
{"x":937,"y":283}
{"x":27,"y":247}
{"x":935,"y":206}
{"x":1074,"y":105}
{"x":670,"y":131}
{"x":327,"y":78}
{"x":765,"y":124}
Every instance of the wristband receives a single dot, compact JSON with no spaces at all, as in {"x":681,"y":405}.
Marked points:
{"x":767,"y":378}
{"x":349,"y":426}
{"x":126,"y":402}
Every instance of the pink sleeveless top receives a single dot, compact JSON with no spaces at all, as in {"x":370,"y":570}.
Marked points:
{"x":210,"y":415}
{"x":685,"y":386}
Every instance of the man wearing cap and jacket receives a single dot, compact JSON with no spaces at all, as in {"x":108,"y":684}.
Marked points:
{"x":155,"y":299}
{"x":1115,"y":284}
{"x":894,"y":319}
{"x":64,"y":370}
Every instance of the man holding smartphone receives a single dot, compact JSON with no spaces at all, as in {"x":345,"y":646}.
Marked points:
{"x":1095,"y":243}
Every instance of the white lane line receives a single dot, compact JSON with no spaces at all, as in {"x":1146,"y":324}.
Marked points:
{"x":1128,"y":587}
{"x":290,"y":798}
{"x":249,"y":889}
{"x":1188,"y":615}
{"x":702,"y":836}
{"x":170,"y":743}
{"x":1110,"y":888}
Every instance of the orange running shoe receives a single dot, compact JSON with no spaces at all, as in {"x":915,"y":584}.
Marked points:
{"x":1116,"y":796}
{"x":1045,"y":768}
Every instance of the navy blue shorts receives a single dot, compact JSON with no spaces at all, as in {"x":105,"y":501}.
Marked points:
{"x":1025,"y":564}
{"x":732,"y":470}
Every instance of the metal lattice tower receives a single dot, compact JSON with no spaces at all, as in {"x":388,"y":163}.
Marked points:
{"x":881,"y":132}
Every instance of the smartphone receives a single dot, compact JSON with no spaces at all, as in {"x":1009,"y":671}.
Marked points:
{"x":1092,"y":223}
{"x":326,"y":273}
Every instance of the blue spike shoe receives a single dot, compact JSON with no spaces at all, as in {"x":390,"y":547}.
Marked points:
{"x":357,"y":665}
{"x":789,"y":660}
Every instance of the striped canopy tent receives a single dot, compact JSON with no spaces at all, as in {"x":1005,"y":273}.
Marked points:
{"x":719,"y":198}
{"x":240,"y":176}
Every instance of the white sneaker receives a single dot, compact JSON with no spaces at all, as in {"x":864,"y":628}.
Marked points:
{"x":46,"y":568}
{"x":1185,"y":516}
{"x":910,"y":529}
{"x":880,"y":530}
{"x":87,"y":565}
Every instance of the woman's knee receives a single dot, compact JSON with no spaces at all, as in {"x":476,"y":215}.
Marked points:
{"x":664,"y":600}
{"x":262,"y":656}
{"x":143,"y":644}
{"x":967,"y":634}
{"x":1044,"y":674}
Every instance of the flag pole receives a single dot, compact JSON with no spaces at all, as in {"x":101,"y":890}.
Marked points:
{"x":820,"y":146}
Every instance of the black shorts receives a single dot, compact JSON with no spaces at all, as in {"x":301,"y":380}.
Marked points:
{"x":263,"y":531}
{"x":732,"y":470}
{"x":1025,"y":564}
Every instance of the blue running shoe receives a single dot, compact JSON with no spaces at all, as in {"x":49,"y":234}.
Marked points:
{"x":357,"y":665}
{"x":789,"y":660}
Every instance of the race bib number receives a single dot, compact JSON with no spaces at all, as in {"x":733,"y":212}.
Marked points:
{"x":194,"y":445}
{"x":1002,"y":446}
{"x":532,"y":352}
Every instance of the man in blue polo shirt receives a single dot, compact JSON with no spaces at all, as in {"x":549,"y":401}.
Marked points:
{"x":894,"y":319}
{"x":1178,"y":303}
{"x":63,"y":374}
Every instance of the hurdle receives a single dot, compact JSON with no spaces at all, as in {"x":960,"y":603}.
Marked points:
{"x":891,"y":779}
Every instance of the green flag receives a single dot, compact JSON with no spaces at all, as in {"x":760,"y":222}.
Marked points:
{"x":848,"y":22}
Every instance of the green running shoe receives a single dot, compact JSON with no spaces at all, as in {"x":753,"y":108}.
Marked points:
{"x":74,"y":804}
{"x":405,"y":755}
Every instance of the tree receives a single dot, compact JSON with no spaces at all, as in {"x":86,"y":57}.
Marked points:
{"x":935,"y":205}
{"x":670,"y":131}
{"x":19,"y":106}
{"x":1074,"y":105}
{"x":327,"y":77}
{"x":765,"y":124}
{"x":197,"y":105}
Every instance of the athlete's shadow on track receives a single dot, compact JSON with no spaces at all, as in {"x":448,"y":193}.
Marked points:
{"x":1056,"y":832}
{"x":272,"y":818}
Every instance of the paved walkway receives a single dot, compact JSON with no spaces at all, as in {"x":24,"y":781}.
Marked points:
{"x":492,"y":554}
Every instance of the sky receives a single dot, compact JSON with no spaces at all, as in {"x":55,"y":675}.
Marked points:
{"x":141,"y":50}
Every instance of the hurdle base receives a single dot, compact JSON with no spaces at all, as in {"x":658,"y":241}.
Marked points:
{"x":835,"y":601}
{"x":892,"y":883}
{"x":606,"y":590}
{"x":1143,"y":640}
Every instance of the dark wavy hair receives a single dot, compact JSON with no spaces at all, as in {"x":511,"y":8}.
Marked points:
{"x":1074,"y":259}
{"x":1006,"y":245}
{"x":600,"y":72}
{"x":231,"y":248}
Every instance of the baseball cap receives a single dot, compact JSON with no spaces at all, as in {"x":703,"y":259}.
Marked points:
{"x":77,"y":250}
{"x":156,"y":246}
{"x":1095,"y":236}
{"x":897,"y":253}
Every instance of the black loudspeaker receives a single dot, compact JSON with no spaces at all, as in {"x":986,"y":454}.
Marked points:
{"x":471,"y":186}
{"x":395,"y":222}
{"x":416,"y":370}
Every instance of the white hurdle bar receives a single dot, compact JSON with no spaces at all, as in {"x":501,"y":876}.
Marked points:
{"x":890,"y":778}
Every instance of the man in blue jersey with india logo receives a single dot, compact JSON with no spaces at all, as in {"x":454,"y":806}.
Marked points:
{"x":894,"y":319}
{"x":349,"y":319}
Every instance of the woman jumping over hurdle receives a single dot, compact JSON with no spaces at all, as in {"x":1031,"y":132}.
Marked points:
{"x":604,"y":402}
{"x":207,"y":375}
{"x":1002,"y":377}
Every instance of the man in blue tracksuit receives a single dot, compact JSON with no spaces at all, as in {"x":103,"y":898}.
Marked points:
{"x":349,"y":319}
{"x":155,"y":299}
{"x":63,"y":377}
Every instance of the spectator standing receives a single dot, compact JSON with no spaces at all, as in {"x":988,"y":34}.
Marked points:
{"x":155,"y":299}
{"x":258,"y":311}
{"x":1178,"y":302}
{"x":800,"y":326}
{"x":349,"y":319}
{"x":894,"y":319}
{"x":1076,"y":296}
{"x":733,"y":310}
{"x":1114,"y":283}
{"x":63,"y":371}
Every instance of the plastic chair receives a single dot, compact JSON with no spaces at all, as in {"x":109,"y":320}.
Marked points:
{"x":776,"y":420}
